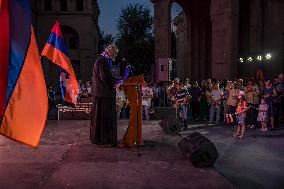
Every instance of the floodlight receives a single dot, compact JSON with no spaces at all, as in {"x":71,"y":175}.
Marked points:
{"x":268,"y":56}
{"x":250,"y":59}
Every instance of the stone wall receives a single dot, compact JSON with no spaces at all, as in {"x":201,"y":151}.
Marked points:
{"x":83,"y":22}
{"x":213,"y":34}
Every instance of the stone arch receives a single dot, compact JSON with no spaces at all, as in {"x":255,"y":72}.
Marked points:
{"x":196,"y":35}
{"x":183,"y":44}
{"x":71,"y":37}
{"x":213,"y":36}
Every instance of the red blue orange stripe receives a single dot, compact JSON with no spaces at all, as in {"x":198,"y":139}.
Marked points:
{"x":20,"y":33}
{"x":57,"y":42}
{"x":58,"y":58}
{"x":4,"y":52}
{"x":25,"y":110}
{"x":56,"y":51}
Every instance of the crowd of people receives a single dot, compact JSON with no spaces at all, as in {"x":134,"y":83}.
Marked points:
{"x":211,"y":101}
{"x":244,"y":102}
{"x":262,"y":102}
{"x":55,"y":98}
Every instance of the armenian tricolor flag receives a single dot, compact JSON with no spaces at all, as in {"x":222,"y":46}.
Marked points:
{"x":56,"y":51}
{"x":23,"y":96}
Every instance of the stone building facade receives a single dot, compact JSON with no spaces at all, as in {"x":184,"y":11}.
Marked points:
{"x":79,"y":25}
{"x":213,"y":34}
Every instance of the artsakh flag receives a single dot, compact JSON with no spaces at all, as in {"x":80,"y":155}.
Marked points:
{"x":56,"y":51}
{"x":23,"y":96}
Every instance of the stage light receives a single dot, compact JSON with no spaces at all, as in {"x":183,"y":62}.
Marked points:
{"x":259,"y":58}
{"x":241,"y":60}
{"x":268,"y":56}
{"x":250,"y":59}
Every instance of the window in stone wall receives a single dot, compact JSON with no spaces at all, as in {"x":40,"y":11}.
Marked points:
{"x":72,"y":43}
{"x":80,"y":5}
{"x":63,"y":5}
{"x":47,"y":5}
{"x":71,"y":37}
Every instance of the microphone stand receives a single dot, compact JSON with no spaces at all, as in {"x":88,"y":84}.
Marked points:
{"x":139,"y":95}
{"x":138,"y":88}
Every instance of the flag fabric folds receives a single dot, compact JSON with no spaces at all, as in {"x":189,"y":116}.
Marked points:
{"x":25,"y":104}
{"x":4,"y":52}
{"x":56,"y":51}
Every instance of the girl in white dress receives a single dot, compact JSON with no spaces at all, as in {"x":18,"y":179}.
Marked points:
{"x":263,"y":114}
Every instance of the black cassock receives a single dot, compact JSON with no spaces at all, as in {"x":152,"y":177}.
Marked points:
{"x":103,"y":128}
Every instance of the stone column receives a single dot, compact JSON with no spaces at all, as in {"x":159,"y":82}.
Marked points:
{"x":162,"y":25}
{"x":202,"y":51}
{"x":224,"y":17}
{"x":255,"y":26}
{"x":182,"y":44}
{"x":195,"y":42}
{"x":255,"y":34}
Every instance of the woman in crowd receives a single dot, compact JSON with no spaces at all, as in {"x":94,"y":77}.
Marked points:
{"x":269,"y":93}
{"x":195,"y":93}
{"x":261,"y":86}
{"x":252,"y":98}
{"x":203,"y":101}
{"x":240,"y":84}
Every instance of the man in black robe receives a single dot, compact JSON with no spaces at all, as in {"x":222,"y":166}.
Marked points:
{"x":103,"y":129}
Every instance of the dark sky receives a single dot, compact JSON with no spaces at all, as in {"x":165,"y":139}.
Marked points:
{"x":110,"y":11}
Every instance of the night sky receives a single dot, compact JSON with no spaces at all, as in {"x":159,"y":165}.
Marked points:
{"x":110,"y":11}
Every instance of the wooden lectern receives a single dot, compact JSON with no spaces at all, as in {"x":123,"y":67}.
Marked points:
{"x":132,"y":88}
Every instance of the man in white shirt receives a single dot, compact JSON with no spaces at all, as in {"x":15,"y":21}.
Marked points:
{"x":147,"y":95}
{"x":216,"y":97}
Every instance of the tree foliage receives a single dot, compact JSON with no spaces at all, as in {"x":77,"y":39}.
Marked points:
{"x":104,"y":40}
{"x":135,"y":37}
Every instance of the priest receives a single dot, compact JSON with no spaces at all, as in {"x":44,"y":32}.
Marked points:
{"x":103,"y":129}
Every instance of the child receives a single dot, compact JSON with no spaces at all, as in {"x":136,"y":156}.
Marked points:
{"x":263,"y":114}
{"x":241,"y":115}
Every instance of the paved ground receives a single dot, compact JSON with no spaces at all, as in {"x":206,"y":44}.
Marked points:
{"x":257,"y":161}
{"x":66,"y":159}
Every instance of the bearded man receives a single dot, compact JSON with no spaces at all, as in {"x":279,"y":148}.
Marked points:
{"x":103,"y":129}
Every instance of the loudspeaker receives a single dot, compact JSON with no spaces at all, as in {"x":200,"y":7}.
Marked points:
{"x":162,"y":69}
{"x":171,"y":125}
{"x":199,"y":150}
{"x":162,"y":113}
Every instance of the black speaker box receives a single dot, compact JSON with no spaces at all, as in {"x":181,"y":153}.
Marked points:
{"x":199,"y":150}
{"x":171,"y":125}
{"x":162,"y":113}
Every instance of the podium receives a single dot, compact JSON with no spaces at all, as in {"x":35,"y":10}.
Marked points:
{"x":132,"y":88}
